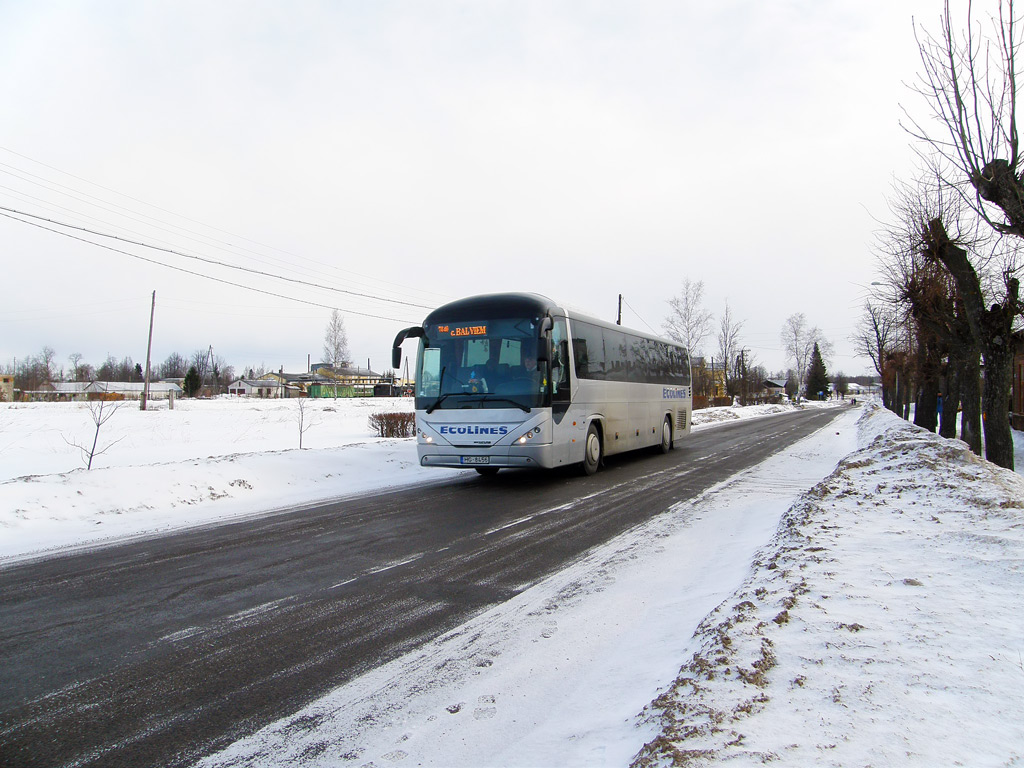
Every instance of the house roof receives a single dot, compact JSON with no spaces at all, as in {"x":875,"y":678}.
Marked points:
{"x":70,"y":387}
{"x":133,"y":386}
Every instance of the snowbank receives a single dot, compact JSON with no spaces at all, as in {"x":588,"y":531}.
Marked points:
{"x":882,"y":625}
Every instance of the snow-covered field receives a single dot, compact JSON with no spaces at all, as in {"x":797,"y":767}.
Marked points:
{"x":854,"y":600}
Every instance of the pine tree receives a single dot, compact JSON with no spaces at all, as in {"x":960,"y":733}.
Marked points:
{"x":192,"y":382}
{"x":817,"y":377}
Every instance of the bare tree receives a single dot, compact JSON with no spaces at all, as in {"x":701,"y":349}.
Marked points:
{"x":688,"y":322}
{"x":992,"y":328}
{"x":336,"y":352}
{"x":305,"y":418}
{"x":798,"y":341}
{"x":874,"y":334}
{"x":938,"y":344}
{"x":101,"y":411}
{"x":46,"y":359}
{"x":969,"y":84}
{"x":174,"y":367}
{"x":75,"y":358}
{"x":729,"y":347}
{"x":200,"y":360}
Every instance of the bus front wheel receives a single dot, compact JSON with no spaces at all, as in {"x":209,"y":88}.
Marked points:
{"x":666,"y":436}
{"x":592,"y":451}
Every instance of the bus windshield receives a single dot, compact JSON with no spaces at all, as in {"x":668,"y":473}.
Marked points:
{"x":486,"y":364}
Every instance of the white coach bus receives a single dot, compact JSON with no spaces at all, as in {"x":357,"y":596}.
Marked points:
{"x":514,"y":380}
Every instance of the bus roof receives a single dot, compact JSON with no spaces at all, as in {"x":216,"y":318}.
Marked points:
{"x":498,"y":305}
{"x":504,"y":305}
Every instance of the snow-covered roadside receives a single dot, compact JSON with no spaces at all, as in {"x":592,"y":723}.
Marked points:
{"x":557,"y":675}
{"x":880,"y":625}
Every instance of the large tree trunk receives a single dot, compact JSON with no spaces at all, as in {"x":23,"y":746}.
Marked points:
{"x":998,"y":352}
{"x":926,"y":409}
{"x":992,"y":329}
{"x":970,"y":396}
{"x":950,"y":400}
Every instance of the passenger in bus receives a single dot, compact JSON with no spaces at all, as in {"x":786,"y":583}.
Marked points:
{"x":484,"y":378}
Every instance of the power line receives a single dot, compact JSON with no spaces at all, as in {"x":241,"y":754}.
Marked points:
{"x":186,"y":271}
{"x":223,"y":245}
{"x":640,"y":318}
{"x":203,"y":259}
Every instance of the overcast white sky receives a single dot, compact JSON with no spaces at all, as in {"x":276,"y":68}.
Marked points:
{"x":421,"y":151}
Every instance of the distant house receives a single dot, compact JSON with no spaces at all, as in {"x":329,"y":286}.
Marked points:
{"x":347,"y":381}
{"x":774,"y":387}
{"x":262,"y":388}
{"x":6,"y":388}
{"x":293,"y":384}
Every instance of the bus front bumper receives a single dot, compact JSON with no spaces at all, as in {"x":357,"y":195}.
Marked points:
{"x":536,"y":456}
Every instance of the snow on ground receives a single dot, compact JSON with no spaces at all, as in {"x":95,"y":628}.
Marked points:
{"x":868,"y":618}
{"x":204,"y":461}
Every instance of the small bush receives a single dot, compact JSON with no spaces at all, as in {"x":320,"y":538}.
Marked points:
{"x":393,"y":424}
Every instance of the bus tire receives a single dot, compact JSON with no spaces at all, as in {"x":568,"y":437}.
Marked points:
{"x":666,"y":436}
{"x":592,"y":450}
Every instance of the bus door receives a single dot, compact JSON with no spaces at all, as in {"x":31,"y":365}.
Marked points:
{"x":561,"y":394}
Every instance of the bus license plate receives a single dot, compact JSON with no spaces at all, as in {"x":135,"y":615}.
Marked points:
{"x":476,"y":459}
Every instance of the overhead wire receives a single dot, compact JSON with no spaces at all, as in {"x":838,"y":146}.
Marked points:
{"x":203,"y":259}
{"x":182,"y":269}
{"x":190,"y":233}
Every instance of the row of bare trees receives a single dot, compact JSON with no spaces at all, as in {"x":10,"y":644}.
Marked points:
{"x":33,"y":372}
{"x":203,"y":368}
{"x":950,"y":294}
{"x":690,"y":323}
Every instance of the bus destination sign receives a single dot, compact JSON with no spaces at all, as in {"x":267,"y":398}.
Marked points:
{"x":462,"y":330}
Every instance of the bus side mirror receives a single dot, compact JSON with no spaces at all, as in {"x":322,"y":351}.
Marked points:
{"x":396,"y":347}
{"x":544,"y":351}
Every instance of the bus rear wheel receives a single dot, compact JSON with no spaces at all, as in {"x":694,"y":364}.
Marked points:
{"x":592,"y":450}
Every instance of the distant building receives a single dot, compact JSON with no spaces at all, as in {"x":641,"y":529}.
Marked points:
{"x":72,"y":391}
{"x":261,"y":388}
{"x":6,"y":388}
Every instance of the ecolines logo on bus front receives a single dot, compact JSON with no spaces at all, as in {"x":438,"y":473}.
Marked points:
{"x":673,"y":394}
{"x":472,"y":429}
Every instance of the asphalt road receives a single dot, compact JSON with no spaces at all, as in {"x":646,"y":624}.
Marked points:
{"x":157,"y":652}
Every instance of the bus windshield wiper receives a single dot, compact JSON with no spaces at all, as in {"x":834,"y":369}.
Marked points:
{"x":440,"y":381}
{"x":441,"y":399}
{"x":488,"y":398}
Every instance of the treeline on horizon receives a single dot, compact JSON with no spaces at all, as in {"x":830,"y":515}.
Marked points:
{"x":35,"y":371}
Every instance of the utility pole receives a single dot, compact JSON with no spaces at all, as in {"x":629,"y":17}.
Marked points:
{"x":149,"y":352}
{"x":618,"y":321}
